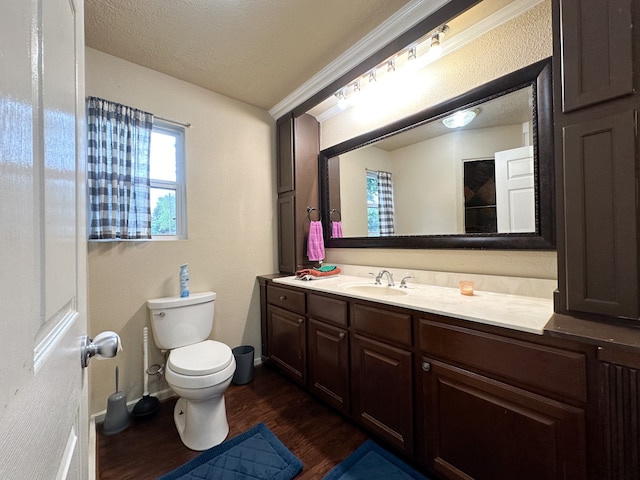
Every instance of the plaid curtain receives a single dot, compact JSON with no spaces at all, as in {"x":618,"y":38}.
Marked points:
{"x":385,"y":203}
{"x":119,"y":139}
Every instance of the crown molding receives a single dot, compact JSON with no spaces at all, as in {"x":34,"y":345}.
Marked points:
{"x":407,"y":17}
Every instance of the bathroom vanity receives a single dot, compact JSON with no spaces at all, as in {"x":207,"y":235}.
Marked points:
{"x":455,"y":392}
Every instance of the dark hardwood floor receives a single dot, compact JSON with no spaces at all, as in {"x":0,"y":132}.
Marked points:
{"x":315,"y":433}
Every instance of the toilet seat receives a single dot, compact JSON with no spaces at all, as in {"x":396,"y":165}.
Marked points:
{"x":199,"y":359}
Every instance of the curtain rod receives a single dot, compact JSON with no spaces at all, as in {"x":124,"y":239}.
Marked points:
{"x":176,"y":122}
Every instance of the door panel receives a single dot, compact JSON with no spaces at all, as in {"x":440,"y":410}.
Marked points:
{"x":478,"y":428}
{"x":43,"y":399}
{"x":515,"y":191}
{"x":600,"y":217}
{"x":596,"y":51}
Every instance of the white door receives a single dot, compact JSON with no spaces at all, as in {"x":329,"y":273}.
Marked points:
{"x":43,"y":389}
{"x":515,"y":191}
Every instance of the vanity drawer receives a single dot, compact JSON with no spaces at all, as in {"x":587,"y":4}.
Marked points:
{"x":286,"y":298}
{"x":326,"y":308}
{"x":381,"y":323}
{"x":547,"y":368}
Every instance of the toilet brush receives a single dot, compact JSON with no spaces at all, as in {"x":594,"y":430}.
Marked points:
{"x":147,"y":406}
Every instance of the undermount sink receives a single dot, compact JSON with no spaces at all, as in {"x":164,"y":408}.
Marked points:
{"x":375,"y":290}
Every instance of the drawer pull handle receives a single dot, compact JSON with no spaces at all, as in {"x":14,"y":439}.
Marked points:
{"x":283,"y":297}
{"x":426,"y":366}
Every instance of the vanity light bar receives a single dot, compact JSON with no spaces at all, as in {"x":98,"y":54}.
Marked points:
{"x":389,"y":65}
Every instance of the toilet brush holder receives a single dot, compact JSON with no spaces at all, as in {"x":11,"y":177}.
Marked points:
{"x":117,"y":417}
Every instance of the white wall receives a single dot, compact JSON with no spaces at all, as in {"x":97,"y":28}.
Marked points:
{"x":230,"y":156}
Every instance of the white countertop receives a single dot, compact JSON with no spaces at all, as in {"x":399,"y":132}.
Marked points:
{"x":527,"y":314}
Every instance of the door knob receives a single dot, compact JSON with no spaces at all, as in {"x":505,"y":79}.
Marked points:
{"x":106,"y":345}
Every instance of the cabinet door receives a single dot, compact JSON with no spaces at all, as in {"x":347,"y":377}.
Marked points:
{"x":601,"y":215}
{"x":478,"y":428}
{"x":596,"y":51}
{"x":382,"y":390}
{"x":287,"y":346}
{"x":329,"y":363}
{"x":287,"y":233}
{"x":286,"y":171}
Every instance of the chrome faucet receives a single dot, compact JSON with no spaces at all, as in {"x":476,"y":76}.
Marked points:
{"x":389,"y":277}
{"x":403,"y":282}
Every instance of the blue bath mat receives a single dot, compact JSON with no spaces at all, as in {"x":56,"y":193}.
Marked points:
{"x":372,"y":462}
{"x":254,"y":454}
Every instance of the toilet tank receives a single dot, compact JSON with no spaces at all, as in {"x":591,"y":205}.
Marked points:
{"x":180,"y":321}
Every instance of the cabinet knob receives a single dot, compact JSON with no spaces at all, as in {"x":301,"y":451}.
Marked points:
{"x":341,"y":335}
{"x":283,"y":297}
{"x":426,"y":366}
{"x":300,"y":320}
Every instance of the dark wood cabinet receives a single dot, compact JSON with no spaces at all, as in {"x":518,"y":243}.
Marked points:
{"x":287,"y":341}
{"x":381,"y":372}
{"x":619,"y":398}
{"x":501,"y":407}
{"x":328,"y":353}
{"x":596,"y":104}
{"x":601,"y":215}
{"x":479,"y":428}
{"x":298,"y":145}
{"x":465,"y":400}
{"x":328,"y":350}
{"x":286,"y":331}
{"x":382,"y":390}
{"x":596,"y":51}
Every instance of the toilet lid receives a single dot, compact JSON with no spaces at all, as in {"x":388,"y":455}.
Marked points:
{"x":201,"y":358}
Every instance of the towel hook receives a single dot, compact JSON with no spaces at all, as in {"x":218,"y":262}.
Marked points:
{"x":337,"y":212}
{"x":311,"y":209}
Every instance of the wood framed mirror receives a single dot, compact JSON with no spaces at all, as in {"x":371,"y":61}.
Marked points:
{"x":442,"y":179}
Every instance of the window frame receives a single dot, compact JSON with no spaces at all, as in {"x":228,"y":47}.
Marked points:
{"x":179,"y":185}
{"x":372,"y":175}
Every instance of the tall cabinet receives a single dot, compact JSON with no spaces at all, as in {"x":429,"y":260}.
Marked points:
{"x":596,"y":107}
{"x":596,"y":102}
{"x":298,"y":145}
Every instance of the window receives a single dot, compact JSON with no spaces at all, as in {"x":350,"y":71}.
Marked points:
{"x":167,"y":178}
{"x":373,"y":206}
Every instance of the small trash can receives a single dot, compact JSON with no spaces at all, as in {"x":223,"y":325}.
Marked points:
{"x":244,"y":364}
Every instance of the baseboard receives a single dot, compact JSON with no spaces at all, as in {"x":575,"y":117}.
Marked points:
{"x":92,"y":463}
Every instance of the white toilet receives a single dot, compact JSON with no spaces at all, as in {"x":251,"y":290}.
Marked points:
{"x":198,"y":370}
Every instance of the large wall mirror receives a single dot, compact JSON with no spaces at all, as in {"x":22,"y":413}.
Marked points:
{"x":431,"y":181}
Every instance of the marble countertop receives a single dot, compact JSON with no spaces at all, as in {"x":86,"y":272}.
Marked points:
{"x":527,"y":314}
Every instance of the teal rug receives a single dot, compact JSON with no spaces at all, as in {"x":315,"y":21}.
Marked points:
{"x":254,"y":454}
{"x":372,"y":462}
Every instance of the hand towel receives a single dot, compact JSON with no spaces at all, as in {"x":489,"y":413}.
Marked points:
{"x":309,"y":273}
{"x":336,"y":229}
{"x":315,"y":242}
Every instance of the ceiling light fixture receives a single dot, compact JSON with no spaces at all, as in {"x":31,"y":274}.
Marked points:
{"x":461,"y":118}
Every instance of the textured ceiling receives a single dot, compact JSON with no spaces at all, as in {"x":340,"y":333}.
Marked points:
{"x":256,"y":51}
